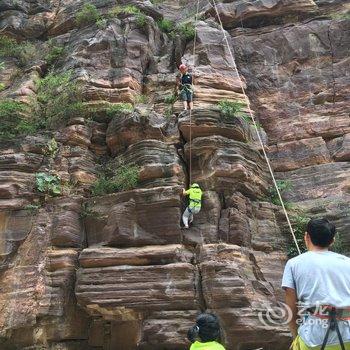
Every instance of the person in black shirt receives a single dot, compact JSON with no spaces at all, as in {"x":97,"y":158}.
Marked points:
{"x":185,"y":86}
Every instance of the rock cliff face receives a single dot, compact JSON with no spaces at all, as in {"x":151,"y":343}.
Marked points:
{"x":116,"y":271}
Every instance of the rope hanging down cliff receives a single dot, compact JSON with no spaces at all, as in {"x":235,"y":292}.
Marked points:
{"x":234,"y":68}
{"x":193,"y":83}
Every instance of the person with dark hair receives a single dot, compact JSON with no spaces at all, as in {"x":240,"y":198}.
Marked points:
{"x":205,"y":334}
{"x":318,"y":281}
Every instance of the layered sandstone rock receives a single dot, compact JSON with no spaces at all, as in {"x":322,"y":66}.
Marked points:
{"x":117,"y":271}
{"x":133,"y":218}
{"x":234,"y":12}
{"x":236,"y":288}
{"x":300,"y":92}
{"x":227,"y":166}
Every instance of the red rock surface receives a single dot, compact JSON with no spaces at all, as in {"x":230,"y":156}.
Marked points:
{"x":117,"y":271}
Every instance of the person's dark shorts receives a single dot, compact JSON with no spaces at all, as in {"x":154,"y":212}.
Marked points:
{"x":186,"y":95}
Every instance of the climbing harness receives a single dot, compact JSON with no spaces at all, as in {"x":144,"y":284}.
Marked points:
{"x":333,"y":315}
{"x":196,"y":201}
{"x":195,"y":197}
{"x":186,"y":87}
{"x":235,"y":69}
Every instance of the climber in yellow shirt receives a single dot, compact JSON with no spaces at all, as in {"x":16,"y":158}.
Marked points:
{"x":204,"y":335}
{"x":195,"y":203}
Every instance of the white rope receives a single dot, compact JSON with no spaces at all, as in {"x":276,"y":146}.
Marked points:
{"x":193,"y":65}
{"x":256,"y":128}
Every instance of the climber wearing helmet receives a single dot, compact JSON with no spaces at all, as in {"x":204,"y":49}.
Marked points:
{"x":205,"y":334}
{"x":185,"y":87}
{"x":195,"y":203}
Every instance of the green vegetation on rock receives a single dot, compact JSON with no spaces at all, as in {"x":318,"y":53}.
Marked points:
{"x":123,"y":178}
{"x":119,"y":108}
{"x":12,"y":121}
{"x":170,"y":99}
{"x":58,"y":99}
{"x":166,"y":25}
{"x":341,"y":16}
{"x":87,"y":15}
{"x":102,"y":23}
{"x":32,"y":208}
{"x":283,"y":186}
{"x":299,"y":222}
{"x":48,"y":184}
{"x":230,"y":109}
{"x":142,"y":99}
{"x":24,"y":52}
{"x":55,"y":52}
{"x":51,"y":149}
{"x":186,"y":30}
{"x":8,"y":46}
{"x":126,"y":10}
{"x":141,"y":18}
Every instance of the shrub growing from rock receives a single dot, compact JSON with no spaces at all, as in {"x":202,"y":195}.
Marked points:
{"x":230,"y":109}
{"x":118,"y":108}
{"x":12,"y":119}
{"x":170,"y":99}
{"x":102,"y":23}
{"x":186,"y":31}
{"x":54,"y":53}
{"x":124,"y":178}
{"x":48,"y":184}
{"x":166,"y":25}
{"x":299,"y":222}
{"x":283,"y":186}
{"x":87,"y":15}
{"x":58,"y":99}
{"x":141,"y":18}
{"x":126,"y":10}
{"x":24,"y":52}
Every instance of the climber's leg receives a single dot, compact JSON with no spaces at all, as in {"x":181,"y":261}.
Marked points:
{"x":183,"y":96}
{"x":190,"y":98}
{"x":194,"y":210}
{"x":185,"y":216}
{"x":190,"y":219}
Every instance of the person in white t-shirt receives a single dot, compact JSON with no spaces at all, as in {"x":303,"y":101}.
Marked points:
{"x":319,"y":280}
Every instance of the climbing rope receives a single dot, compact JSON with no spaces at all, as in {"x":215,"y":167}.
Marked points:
{"x":193,"y":65}
{"x":234,"y":67}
